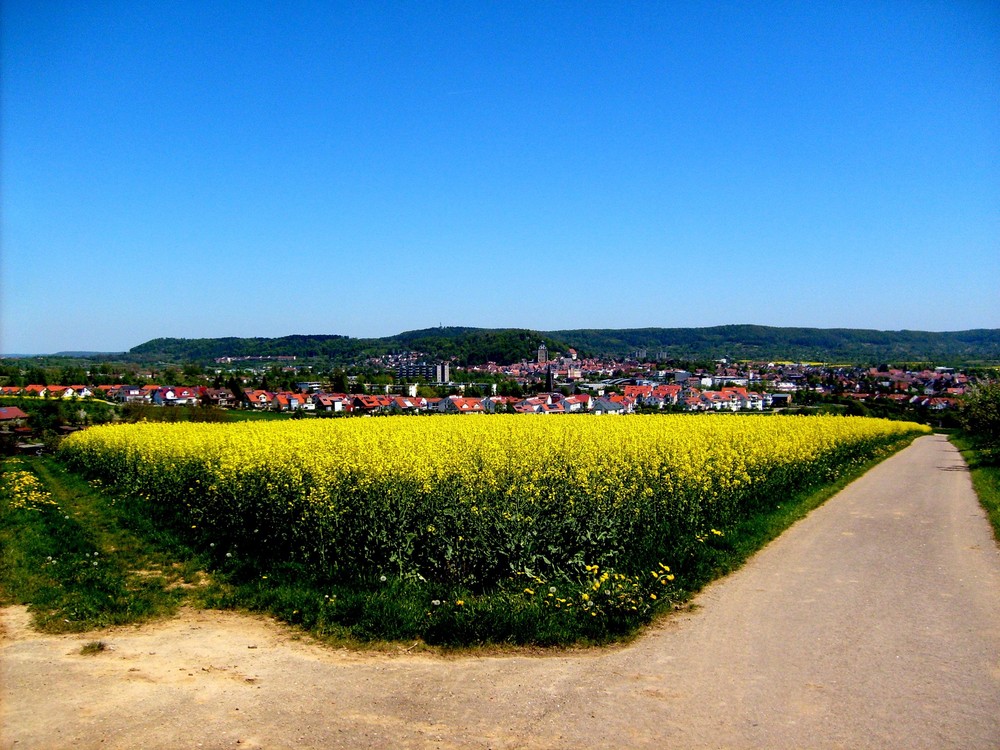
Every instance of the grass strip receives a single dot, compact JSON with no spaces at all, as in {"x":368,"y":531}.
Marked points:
{"x":985,"y":479}
{"x":80,"y":561}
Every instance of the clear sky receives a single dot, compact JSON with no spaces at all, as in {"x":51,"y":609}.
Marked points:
{"x":247,"y":169}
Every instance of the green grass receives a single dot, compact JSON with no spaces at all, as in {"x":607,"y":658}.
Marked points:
{"x":985,"y":479}
{"x":82,"y":560}
{"x":145,"y":570}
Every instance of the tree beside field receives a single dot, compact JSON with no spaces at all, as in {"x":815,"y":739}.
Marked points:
{"x":980,"y":417}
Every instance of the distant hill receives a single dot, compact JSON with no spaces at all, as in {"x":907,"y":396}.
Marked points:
{"x":324,"y":345}
{"x":468,"y":345}
{"x":474,"y":346}
{"x":505,"y":345}
{"x":798,"y":344}
{"x":87,"y":355}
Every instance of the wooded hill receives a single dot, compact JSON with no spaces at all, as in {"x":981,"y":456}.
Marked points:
{"x":468,"y":345}
{"x":472,"y":346}
{"x":751,"y":342}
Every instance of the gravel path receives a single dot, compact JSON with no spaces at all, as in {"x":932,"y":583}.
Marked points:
{"x":873,"y":623}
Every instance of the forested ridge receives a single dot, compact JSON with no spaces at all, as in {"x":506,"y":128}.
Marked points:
{"x":470,"y":346}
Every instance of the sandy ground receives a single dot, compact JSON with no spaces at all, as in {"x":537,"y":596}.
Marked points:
{"x":874,"y":623}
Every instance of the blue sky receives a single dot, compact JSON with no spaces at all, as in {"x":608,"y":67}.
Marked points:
{"x":244,"y":169}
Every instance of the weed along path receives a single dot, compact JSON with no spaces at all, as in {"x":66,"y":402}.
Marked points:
{"x":873,"y":623}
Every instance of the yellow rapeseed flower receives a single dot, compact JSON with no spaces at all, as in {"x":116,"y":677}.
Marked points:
{"x":310,"y":486}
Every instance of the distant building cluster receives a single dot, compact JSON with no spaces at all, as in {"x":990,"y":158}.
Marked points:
{"x":269,"y":358}
{"x":611,"y":388}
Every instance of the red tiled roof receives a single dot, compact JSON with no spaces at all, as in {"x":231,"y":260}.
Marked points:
{"x":638,"y":390}
{"x":467,"y":404}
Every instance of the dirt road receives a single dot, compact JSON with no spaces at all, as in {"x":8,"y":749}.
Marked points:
{"x":874,"y":623}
